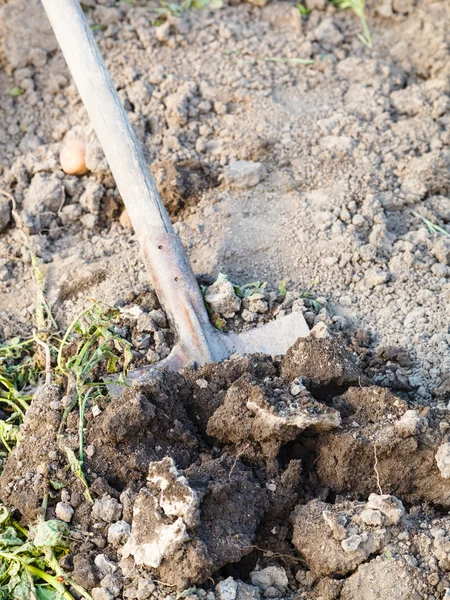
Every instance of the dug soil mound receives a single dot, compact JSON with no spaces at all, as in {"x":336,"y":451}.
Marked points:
{"x":230,"y":478}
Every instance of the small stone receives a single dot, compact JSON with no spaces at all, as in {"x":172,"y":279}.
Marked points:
{"x":376,"y":277}
{"x":227,"y":589}
{"x":391,"y":507}
{"x":327,"y":33}
{"x":443,"y":460}
{"x":296,"y":388}
{"x":410,"y":424}
{"x":204,"y":106}
{"x":221,"y":297}
{"x":441,"y":250}
{"x":372,"y":517}
{"x":118,"y":533}
{"x":246,"y":591}
{"x":320,"y":331}
{"x":89,"y":221}
{"x":5,"y":213}
{"x":145,"y":588}
{"x":113,"y":583}
{"x":96,"y":410}
{"x":270,"y":577}
{"x":104,"y":566}
{"x":107,"y":509}
{"x":243,"y":174}
{"x":352,"y":543}
{"x":257,"y":303}
{"x":248,"y":316}
{"x":64,"y":512}
{"x":162,"y":32}
{"x":220,"y":108}
{"x":316,"y":4}
{"x":272,"y":592}
{"x":101,"y":594}
{"x":91,"y":198}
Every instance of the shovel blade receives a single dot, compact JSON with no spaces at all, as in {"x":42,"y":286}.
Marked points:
{"x":273,"y":338}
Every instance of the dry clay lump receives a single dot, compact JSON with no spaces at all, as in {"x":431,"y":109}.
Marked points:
{"x":348,"y":547}
{"x":180,"y":521}
{"x":343,"y":531}
{"x":378,"y":427}
{"x":252,"y":414}
{"x":322,"y":360}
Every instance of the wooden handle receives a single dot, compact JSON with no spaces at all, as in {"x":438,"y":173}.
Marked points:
{"x":116,"y":136}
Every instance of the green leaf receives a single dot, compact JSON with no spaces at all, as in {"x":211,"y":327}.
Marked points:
{"x":10,"y":538}
{"x":303,"y":10}
{"x":16,"y":91}
{"x":282,"y":287}
{"x":24,"y":588}
{"x":4,"y":514}
{"x":51,"y":533}
{"x":219,"y":323}
{"x":47,"y":593}
{"x":57,"y":485}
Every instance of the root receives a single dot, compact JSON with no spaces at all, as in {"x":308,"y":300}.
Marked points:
{"x":375,"y":468}
{"x":238,"y":455}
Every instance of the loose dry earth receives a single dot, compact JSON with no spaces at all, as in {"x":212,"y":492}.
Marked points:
{"x":321,"y":475}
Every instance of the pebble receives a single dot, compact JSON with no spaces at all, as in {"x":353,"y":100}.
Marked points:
{"x":221,"y":298}
{"x":441,"y":250}
{"x":243,"y":174}
{"x":352,"y":543}
{"x":145,"y":588}
{"x":270,"y":577}
{"x":227,"y":589}
{"x":442,"y":458}
{"x":391,"y":507}
{"x":410,"y":424}
{"x":5,"y":213}
{"x":107,"y":509}
{"x":372,"y":517}
{"x":102,"y":594}
{"x":118,"y":533}
{"x":64,"y":512}
{"x":376,"y":277}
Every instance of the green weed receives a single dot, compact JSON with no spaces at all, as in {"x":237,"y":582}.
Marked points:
{"x":16,"y":91}
{"x":303,"y":10}
{"x":358,"y":7}
{"x":432,"y":227}
{"x":282,"y":290}
{"x":29,"y":561}
{"x":310,"y":301}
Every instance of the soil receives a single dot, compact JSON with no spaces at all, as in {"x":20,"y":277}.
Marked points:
{"x":318,"y":475}
{"x":295,"y":483}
